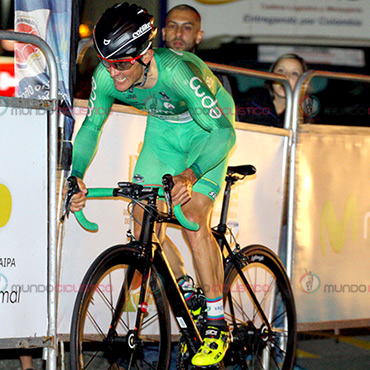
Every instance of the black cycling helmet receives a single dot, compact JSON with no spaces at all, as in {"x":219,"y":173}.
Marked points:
{"x":124,"y":31}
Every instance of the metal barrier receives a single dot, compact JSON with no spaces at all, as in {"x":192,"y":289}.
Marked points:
{"x":328,"y":316}
{"x":265,"y":76}
{"x":50,"y":342}
{"x":300,"y":91}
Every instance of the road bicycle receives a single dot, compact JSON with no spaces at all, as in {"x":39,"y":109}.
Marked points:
{"x":121,"y":317}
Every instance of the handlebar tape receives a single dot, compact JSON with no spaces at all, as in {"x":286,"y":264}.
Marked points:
{"x":190,"y":225}
{"x":108,"y":192}
{"x":92,"y":193}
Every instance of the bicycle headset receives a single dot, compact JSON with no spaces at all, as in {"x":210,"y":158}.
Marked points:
{"x":124,"y":32}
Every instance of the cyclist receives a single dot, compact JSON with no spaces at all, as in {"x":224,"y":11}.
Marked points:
{"x":189,"y":134}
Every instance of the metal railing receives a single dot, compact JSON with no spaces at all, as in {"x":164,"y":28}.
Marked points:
{"x":301,"y":90}
{"x":51,"y":106}
{"x":265,"y":76}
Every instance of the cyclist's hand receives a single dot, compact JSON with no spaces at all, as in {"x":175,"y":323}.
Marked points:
{"x":79,"y":199}
{"x":182,"y":191}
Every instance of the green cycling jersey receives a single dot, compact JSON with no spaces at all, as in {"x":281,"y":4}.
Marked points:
{"x":186,"y":91}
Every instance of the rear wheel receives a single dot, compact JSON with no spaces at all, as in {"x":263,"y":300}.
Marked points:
{"x":103,"y":334}
{"x":260,"y":342}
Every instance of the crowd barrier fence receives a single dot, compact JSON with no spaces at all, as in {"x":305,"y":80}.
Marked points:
{"x":291,"y":134}
{"x":328,"y":216}
{"x":33,"y":108}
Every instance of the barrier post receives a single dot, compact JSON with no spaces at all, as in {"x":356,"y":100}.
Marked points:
{"x":52,"y":181}
{"x":338,"y":152}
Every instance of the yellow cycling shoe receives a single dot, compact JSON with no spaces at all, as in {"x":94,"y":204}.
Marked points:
{"x":212,"y":351}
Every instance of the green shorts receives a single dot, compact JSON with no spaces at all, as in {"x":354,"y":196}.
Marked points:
{"x":171,"y":148}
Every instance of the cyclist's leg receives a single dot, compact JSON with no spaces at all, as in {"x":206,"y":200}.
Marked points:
{"x":203,"y":244}
{"x":161,"y":153}
{"x":208,"y":262}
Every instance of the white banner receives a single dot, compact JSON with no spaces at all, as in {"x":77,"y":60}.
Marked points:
{"x":332,"y":224}
{"x":255,"y":212}
{"x":23,"y":223}
{"x":346,"y":19}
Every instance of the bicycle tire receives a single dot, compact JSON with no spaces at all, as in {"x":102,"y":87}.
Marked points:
{"x":254,"y":346}
{"x":90,"y":345}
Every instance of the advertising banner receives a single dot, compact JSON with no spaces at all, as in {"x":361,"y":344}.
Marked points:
{"x":345,"y":19}
{"x":23,"y":223}
{"x":332,"y":225}
{"x":254,"y":214}
{"x":52,"y":21}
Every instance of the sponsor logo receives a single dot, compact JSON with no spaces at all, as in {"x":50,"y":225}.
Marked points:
{"x":207,"y":101}
{"x":90,"y":107}
{"x":138,"y":178}
{"x":346,"y":288}
{"x":3,"y":283}
{"x":3,"y":106}
{"x":130,"y":96}
{"x":13,"y":296}
{"x":212,"y":194}
{"x":164,"y":96}
{"x":310,"y":282}
{"x":310,"y":106}
{"x":5,"y":205}
{"x":151,"y":105}
{"x":169,"y":105}
{"x":338,"y":229}
{"x":106,"y":42}
{"x":7,"y":262}
{"x":258,"y":258}
{"x":25,"y":54}
{"x":211,"y":332}
{"x":143,"y":29}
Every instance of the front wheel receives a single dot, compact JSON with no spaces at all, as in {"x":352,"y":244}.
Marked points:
{"x":104,"y":334}
{"x":264,"y":328}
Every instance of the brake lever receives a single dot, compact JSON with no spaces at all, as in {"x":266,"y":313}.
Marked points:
{"x":72,"y":190}
{"x":168,"y":184}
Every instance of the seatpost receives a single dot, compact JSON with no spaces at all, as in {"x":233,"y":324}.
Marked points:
{"x":221,"y":228}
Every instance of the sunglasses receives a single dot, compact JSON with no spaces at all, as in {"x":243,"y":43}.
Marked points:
{"x":120,"y":65}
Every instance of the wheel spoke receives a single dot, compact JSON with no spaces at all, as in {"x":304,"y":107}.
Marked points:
{"x":94,"y":343}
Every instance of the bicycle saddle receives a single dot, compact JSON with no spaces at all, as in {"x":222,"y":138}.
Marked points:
{"x":245,"y":170}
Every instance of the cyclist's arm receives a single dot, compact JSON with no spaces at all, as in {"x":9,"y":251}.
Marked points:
{"x":207,"y":113}
{"x":87,"y":139}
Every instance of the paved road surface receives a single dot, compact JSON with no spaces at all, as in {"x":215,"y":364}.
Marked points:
{"x":320,"y":351}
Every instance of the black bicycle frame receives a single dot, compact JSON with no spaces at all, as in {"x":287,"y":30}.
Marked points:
{"x":154,"y":256}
